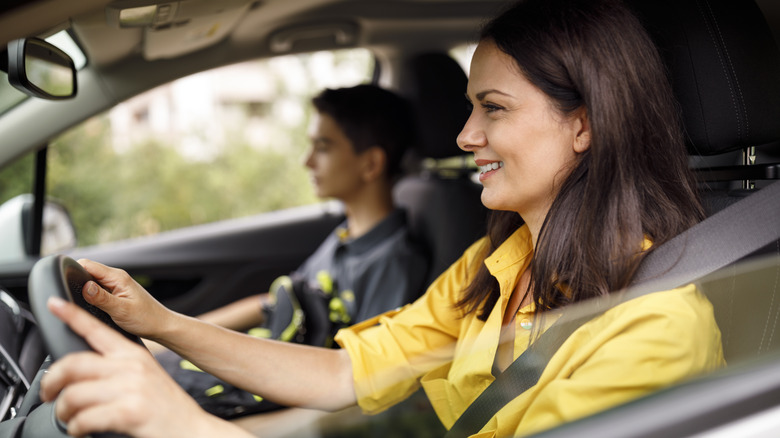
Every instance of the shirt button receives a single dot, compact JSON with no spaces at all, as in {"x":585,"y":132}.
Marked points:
{"x":526,"y":323}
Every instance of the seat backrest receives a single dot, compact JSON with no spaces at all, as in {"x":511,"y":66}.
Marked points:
{"x":725,"y":70}
{"x":747,"y":308}
{"x":443,"y":206}
{"x":724,"y":66}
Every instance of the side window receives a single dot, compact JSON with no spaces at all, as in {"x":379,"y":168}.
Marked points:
{"x":220,"y":144}
{"x":17,"y":178}
{"x":17,"y":214}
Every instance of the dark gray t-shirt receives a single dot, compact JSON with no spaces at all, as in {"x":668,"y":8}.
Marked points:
{"x":382,"y":269}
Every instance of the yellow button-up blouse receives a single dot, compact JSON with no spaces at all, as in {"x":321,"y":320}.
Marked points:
{"x":634,"y":348}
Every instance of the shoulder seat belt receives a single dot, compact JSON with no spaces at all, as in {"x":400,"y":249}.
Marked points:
{"x":701,"y":250}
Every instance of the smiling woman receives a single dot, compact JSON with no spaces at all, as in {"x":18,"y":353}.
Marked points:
{"x":603,"y":218}
{"x":530,"y":144}
{"x":551,"y":116}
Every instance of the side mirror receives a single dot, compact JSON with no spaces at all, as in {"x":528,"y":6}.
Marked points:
{"x":40,"y":69}
{"x":59,"y":234}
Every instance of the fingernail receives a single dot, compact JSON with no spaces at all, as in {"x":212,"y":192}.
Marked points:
{"x":91,"y":289}
{"x":56,"y":302}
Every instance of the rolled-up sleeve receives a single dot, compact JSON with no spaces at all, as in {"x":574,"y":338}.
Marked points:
{"x":390,"y":352}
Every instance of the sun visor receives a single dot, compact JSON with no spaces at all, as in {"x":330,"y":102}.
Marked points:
{"x":173,"y":29}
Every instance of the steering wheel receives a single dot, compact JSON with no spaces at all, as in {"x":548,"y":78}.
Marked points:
{"x":61,"y":276}
{"x":58,"y":276}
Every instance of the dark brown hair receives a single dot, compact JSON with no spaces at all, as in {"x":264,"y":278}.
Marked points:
{"x":632,"y":183}
{"x":372,"y":116}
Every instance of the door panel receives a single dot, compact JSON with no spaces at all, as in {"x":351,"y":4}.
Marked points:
{"x":195,"y":269}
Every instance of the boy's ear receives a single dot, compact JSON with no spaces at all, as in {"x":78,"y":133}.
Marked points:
{"x":582,"y":137}
{"x":373,"y":163}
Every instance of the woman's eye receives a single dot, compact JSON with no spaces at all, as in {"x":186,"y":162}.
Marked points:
{"x":489,"y":107}
{"x":469,"y":106}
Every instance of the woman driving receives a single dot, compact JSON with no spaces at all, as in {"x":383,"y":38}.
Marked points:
{"x":581,"y":155}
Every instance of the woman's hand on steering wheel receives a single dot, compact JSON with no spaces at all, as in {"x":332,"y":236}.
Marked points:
{"x":129,"y":304}
{"x":120,"y":387}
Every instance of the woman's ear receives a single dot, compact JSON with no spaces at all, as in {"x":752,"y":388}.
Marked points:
{"x":582,"y":137}
{"x":374,"y":163}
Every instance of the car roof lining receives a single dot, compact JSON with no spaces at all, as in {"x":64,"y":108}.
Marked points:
{"x":372,"y":18}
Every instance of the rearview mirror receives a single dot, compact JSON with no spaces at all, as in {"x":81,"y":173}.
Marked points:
{"x":40,"y":69}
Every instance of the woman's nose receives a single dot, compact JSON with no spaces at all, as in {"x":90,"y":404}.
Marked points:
{"x":471,"y":136}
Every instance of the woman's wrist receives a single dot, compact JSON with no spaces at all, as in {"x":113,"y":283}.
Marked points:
{"x":169,"y":326}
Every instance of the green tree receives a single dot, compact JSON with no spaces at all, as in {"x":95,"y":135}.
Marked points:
{"x":152,"y":188}
{"x":81,"y":174}
{"x":17,"y":178}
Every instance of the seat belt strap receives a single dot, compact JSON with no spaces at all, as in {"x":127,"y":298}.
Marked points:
{"x":699,"y":251}
{"x":707,"y":247}
{"x":521,"y":374}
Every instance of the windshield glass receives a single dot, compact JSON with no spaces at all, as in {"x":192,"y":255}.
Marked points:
{"x":10,"y":96}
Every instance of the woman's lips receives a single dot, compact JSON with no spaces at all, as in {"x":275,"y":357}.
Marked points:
{"x":488,"y":168}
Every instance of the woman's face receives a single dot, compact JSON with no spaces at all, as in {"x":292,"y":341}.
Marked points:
{"x":523,"y":146}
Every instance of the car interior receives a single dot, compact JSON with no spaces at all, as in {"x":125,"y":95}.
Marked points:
{"x":724,"y":64}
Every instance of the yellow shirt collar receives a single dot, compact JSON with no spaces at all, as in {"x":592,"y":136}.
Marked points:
{"x":517,"y":248}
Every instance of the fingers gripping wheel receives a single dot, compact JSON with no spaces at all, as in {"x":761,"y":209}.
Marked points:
{"x":63,"y":277}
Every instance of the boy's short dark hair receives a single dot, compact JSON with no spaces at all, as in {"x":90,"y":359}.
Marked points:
{"x":371,"y":116}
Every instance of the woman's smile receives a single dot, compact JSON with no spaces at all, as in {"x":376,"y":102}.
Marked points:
{"x":488,"y":168}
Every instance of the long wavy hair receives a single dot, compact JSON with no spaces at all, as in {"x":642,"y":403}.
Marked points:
{"x":634,"y":180}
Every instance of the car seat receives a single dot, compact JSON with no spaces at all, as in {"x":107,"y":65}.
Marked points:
{"x":442,"y":201}
{"x":725,"y":71}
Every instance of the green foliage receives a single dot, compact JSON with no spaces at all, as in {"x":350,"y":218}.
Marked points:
{"x":17,"y":178}
{"x":81,"y":174}
{"x":152,"y":187}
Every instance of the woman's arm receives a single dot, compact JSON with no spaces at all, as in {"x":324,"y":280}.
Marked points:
{"x":286,"y":373}
{"x":289,"y":374}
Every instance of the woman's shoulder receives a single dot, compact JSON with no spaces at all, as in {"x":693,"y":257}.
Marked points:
{"x":687,"y":298}
{"x":680,"y":309}
{"x":675,"y":327}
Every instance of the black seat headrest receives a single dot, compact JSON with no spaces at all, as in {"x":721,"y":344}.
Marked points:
{"x":437,"y":86}
{"x":725,"y":70}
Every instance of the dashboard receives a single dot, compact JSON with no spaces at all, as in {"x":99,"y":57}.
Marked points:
{"x":22,"y":355}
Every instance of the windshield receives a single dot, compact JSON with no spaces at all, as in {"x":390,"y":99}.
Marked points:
{"x":10,"y":96}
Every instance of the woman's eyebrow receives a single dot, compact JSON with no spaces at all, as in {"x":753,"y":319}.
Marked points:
{"x":482,"y":94}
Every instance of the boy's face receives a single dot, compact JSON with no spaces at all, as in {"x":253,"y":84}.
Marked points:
{"x":334,"y":166}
